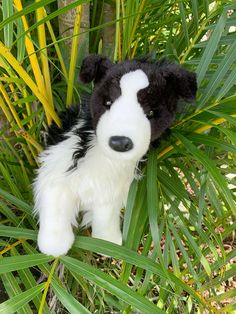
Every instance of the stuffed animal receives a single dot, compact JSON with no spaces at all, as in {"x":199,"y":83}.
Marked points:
{"x":91,"y":161}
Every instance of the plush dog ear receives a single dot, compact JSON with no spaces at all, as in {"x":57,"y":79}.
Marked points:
{"x":94,"y":67}
{"x":183,"y":82}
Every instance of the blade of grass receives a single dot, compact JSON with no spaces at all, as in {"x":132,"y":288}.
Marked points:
{"x":14,"y":115}
{"x":214,"y":199}
{"x":8,"y":178}
{"x":183,"y":250}
{"x":219,"y":74}
{"x":136,"y":227}
{"x":16,"y":201}
{"x":117,"y":34}
{"x":212,"y":141}
{"x":113,"y":286}
{"x":194,"y":246}
{"x":52,"y":16}
{"x":13,"y":290}
{"x":74,"y":53}
{"x":194,"y":4}
{"x":199,"y":130}
{"x":211,"y":47}
{"x":10,"y":247}
{"x":223,"y":296}
{"x":133,"y":258}
{"x":18,"y":233}
{"x":140,"y":272}
{"x":17,"y":302}
{"x":109,"y":249}
{"x":134,"y":28}
{"x":7,"y":11}
{"x":57,"y":48}
{"x":129,"y":207}
{"x":220,"y":278}
{"x":131,"y":241}
{"x":231,"y":308}
{"x":47,"y":285}
{"x":67,"y":300}
{"x":29,"y":82}
{"x":20,"y":40}
{"x":29,"y":282}
{"x":7,"y":212}
{"x":183,"y":19}
{"x":28,"y":9}
{"x":229,"y":82}
{"x":10,"y":105}
{"x":13,"y":263}
{"x":154,"y":211}
{"x":40,"y":14}
{"x":211,"y":168}
{"x":226,"y":117}
{"x":5,"y":110}
{"x":39,"y":78}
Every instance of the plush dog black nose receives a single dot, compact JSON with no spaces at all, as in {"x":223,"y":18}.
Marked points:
{"x":120,"y":143}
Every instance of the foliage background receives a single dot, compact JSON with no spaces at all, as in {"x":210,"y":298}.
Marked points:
{"x":179,"y":227}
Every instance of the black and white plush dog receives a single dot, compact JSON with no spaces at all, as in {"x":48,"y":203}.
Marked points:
{"x":90,"y":162}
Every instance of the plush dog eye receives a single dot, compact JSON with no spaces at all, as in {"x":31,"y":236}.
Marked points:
{"x":150,"y":114}
{"x":108,"y":103}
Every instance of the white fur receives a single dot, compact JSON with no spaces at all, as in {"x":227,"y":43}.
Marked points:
{"x":126,"y":118}
{"x":100,"y":183}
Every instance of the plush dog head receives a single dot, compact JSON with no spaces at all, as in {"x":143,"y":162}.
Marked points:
{"x":134,"y":102}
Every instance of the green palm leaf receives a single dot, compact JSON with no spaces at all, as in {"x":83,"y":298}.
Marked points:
{"x":178,"y":225}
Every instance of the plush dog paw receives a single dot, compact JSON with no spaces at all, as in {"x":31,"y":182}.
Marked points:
{"x":56,"y":243}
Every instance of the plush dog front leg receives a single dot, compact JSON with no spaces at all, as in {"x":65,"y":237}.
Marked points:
{"x":106,"y":223}
{"x":57,"y":211}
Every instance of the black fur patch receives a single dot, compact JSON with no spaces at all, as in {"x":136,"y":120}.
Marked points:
{"x":94,"y":67}
{"x":85,"y":134}
{"x":168,"y":83}
{"x":70,"y":118}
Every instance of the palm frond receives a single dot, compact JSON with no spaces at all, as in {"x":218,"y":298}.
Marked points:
{"x":179,"y":223}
